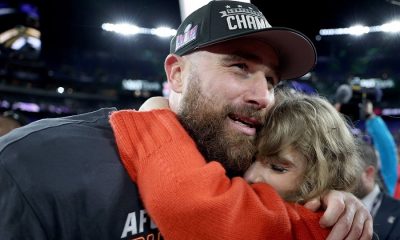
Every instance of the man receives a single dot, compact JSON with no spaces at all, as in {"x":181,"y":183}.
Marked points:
{"x":384,"y":208}
{"x":63,"y":178}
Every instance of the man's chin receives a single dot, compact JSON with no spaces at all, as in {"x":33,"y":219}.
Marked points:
{"x":240,"y":155}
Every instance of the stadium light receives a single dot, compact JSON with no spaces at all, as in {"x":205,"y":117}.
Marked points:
{"x":163,"y":32}
{"x":391,"y":27}
{"x":358,"y":30}
{"x":130,"y":29}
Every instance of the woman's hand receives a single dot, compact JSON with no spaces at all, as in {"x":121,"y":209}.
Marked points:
{"x":346,"y":214}
{"x":154,"y":103}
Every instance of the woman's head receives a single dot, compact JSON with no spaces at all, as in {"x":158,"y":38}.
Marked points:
{"x":308,"y":130}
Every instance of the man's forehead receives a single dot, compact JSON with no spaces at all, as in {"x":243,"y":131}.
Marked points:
{"x":241,"y":55}
{"x":260,"y":57}
{"x":248,"y":48}
{"x":242,"y":42}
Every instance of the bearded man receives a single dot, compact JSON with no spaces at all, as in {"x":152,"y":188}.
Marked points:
{"x":63,"y":178}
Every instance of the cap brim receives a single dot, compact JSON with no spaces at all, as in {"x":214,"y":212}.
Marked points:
{"x":297,"y":54}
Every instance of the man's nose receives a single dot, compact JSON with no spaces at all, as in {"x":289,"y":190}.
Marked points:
{"x":259,"y":94}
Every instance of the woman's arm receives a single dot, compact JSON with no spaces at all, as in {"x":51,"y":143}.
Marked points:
{"x":190,"y":199}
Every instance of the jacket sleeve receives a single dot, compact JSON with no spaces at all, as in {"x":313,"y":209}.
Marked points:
{"x":386,"y":147}
{"x":17,"y":220}
{"x":191,"y":199}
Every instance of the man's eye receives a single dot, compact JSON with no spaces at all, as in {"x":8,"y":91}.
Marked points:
{"x":278,"y":168}
{"x":242,"y":66}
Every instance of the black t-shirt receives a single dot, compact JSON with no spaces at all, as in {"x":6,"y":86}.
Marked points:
{"x":62,"y":178}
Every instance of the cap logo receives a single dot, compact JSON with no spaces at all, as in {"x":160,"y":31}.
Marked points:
{"x":189,"y":34}
{"x":244,"y":18}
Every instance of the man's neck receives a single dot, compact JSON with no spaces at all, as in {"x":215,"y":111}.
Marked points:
{"x":370,"y":200}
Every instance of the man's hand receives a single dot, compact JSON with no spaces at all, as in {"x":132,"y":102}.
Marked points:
{"x":346,"y":214}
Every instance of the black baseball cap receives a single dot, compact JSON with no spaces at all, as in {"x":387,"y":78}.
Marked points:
{"x":221,"y":21}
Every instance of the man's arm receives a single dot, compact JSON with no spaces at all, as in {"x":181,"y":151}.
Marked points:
{"x":18,"y":220}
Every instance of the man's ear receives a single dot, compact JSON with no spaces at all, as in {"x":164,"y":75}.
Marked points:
{"x":370,"y":173}
{"x":173,"y":66}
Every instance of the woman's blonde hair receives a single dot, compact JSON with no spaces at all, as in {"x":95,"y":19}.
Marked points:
{"x":313,"y":127}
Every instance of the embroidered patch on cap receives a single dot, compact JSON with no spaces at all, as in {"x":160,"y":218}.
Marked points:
{"x":239,"y":17}
{"x":189,"y":34}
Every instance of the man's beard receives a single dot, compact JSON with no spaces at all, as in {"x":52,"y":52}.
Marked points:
{"x":206,"y":125}
{"x":360,"y":190}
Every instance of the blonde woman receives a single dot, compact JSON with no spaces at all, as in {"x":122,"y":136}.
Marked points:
{"x":305,"y":149}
